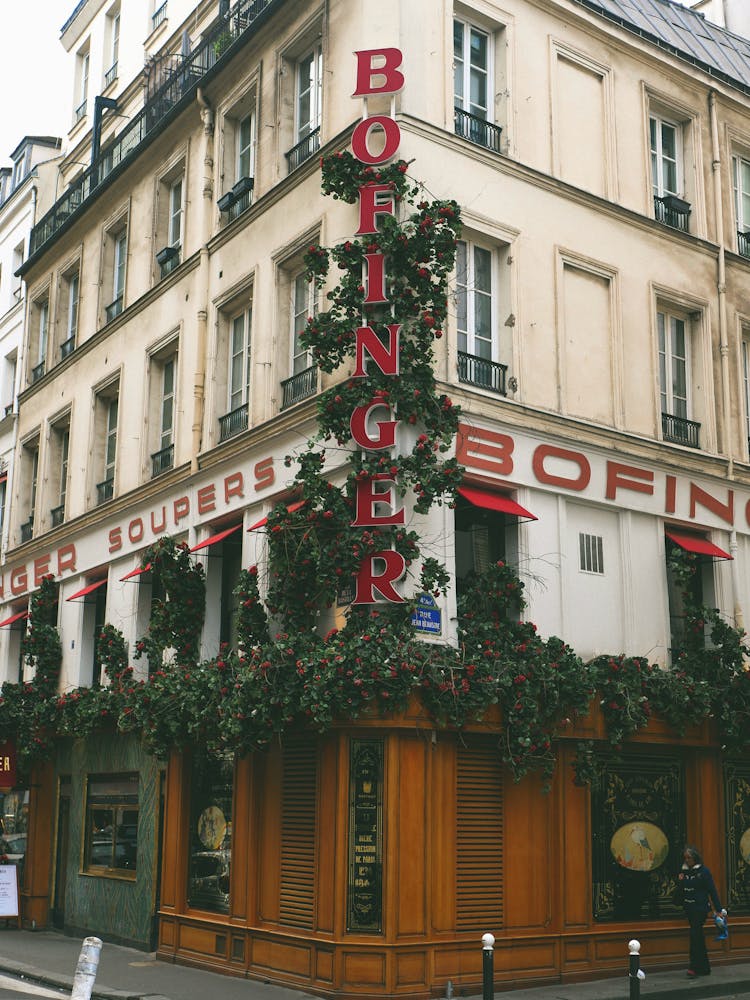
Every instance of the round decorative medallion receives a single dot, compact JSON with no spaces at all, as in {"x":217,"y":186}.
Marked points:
{"x":745,"y":845}
{"x":212,"y":826}
{"x":639,"y":846}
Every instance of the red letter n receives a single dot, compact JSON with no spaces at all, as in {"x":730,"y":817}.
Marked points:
{"x":386,"y":358}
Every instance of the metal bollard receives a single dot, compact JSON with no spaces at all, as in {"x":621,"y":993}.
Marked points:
{"x":88,"y":963}
{"x":635,"y":973}
{"x":488,"y":974}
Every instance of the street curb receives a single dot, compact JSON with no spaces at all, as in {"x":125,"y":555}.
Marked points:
{"x":44,"y":978}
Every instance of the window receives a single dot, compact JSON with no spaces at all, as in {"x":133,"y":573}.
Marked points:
{"x":170,"y":221}
{"x":106,"y":412}
{"x":17,"y":262}
{"x":591,"y":551}
{"x":113,"y":42}
{"x":473,"y":85}
{"x":209,"y":871}
{"x":307,"y":107}
{"x":482,"y":537}
{"x":3,"y":497}
{"x":30,"y":479}
{"x":70,"y":297}
{"x":111,"y":825}
{"x":116,"y":255}
{"x":162,"y":410}
{"x":741,"y":184}
{"x":700,"y":591}
{"x":9,"y":383}
{"x":746,"y":387}
{"x":82,"y":85}
{"x":674,"y":380}
{"x":159,"y":14}
{"x":40,"y":326}
{"x":238,"y":379}
{"x":60,"y":446}
{"x":667,"y":172}
{"x":239,"y":157}
{"x":476,"y":319}
{"x":304,"y":376}
{"x":21,"y":166}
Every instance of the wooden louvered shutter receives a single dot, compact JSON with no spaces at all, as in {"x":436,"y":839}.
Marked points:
{"x":479,"y":837}
{"x":298,"y":828}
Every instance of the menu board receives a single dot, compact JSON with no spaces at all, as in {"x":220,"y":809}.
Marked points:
{"x":365,"y":902}
{"x":8,"y":891}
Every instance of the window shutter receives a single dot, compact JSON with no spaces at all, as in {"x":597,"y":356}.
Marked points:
{"x":479,"y":837}
{"x":298,"y":829}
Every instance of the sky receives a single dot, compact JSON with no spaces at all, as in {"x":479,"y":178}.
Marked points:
{"x":33,"y":71}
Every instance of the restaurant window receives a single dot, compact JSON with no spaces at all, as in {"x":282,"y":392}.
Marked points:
{"x":209,"y":866}
{"x":111,"y":825}
{"x":14,"y":828}
{"x":486,"y":532}
{"x":700,"y":589}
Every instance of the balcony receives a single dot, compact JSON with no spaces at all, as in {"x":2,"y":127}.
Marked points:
{"x":105,"y":490}
{"x":79,"y":113}
{"x":480,"y":372}
{"x":477,"y":130}
{"x":110,"y":76}
{"x":159,"y":16}
{"x":299,"y":387}
{"x":238,"y":200}
{"x":304,"y":149}
{"x":678,"y":430}
{"x":162,"y":461}
{"x":113,"y":309}
{"x":57,"y":515}
{"x":179,"y":76}
{"x":27,"y":530}
{"x":67,"y":347}
{"x":672,"y":211}
{"x":168,"y":258}
{"x":743,"y":244}
{"x":233,"y":422}
{"x":36,"y":372}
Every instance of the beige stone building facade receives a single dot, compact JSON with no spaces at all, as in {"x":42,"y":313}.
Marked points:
{"x":599,"y":344}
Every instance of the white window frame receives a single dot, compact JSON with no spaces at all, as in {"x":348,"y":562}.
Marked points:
{"x":82,"y":97}
{"x":64,"y":456}
{"x":741,"y":188}
{"x":168,"y":400}
{"x":468,"y":291}
{"x":119,"y":260}
{"x":303,"y":304}
{"x":110,"y":437}
{"x":658,"y":158}
{"x":746,"y":385}
{"x":312,"y":86}
{"x":670,"y":362}
{"x":175,"y":211}
{"x":239,"y":360}
{"x":74,"y":285}
{"x":114,"y":39}
{"x":245,"y":152}
{"x":462,"y":69}
{"x":43,"y":339}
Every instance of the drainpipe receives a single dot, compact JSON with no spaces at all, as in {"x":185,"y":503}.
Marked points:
{"x":721,"y":287}
{"x":207,"y":210}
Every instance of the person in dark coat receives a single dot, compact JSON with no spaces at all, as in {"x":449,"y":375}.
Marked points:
{"x":698,"y":896}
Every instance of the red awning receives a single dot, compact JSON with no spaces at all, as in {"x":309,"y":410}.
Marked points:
{"x":215,"y":539}
{"x":135,"y":572}
{"x":14,"y":618}
{"x":87,"y":590}
{"x":290,"y":508}
{"x":495,"y":501}
{"x":701,"y":546}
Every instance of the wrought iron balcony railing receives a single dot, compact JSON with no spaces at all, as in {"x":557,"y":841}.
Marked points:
{"x":304,"y":149}
{"x":178,"y":78}
{"x":480,"y":372}
{"x":67,"y":347}
{"x":36,"y":372}
{"x":105,"y":490}
{"x":672,"y":211}
{"x":113,"y":309}
{"x":111,"y":75}
{"x":743,"y":244}
{"x":299,"y":387}
{"x":79,"y":112}
{"x":27,"y":529}
{"x":678,"y":430}
{"x":233,"y":422}
{"x":477,"y":130}
{"x":57,"y":515}
{"x":162,"y":461}
{"x":159,"y":16}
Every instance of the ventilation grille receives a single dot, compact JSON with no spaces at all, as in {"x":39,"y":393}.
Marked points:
{"x":592,"y":553}
{"x":297,"y":905}
{"x":479,"y":838}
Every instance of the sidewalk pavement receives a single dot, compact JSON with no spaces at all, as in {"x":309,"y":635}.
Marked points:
{"x":126,"y":974}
